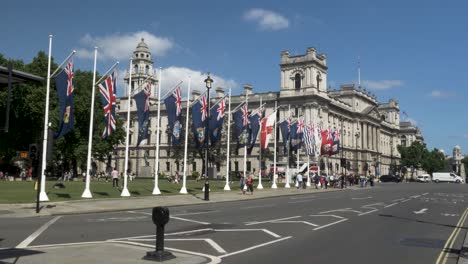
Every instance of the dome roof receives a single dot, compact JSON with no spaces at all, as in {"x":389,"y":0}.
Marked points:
{"x":142,"y":46}
{"x":457,"y":147}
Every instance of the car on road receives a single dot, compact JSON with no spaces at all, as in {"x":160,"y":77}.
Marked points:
{"x":390,"y":178}
{"x":446,"y":177}
{"x":423,"y":178}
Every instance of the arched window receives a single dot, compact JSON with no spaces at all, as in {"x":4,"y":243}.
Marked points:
{"x":319,"y":79}
{"x":135,"y":68}
{"x":403,"y":140}
{"x":297,"y":81}
{"x":146,"y":69}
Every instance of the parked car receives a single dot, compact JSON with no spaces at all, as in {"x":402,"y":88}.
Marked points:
{"x":423,"y":178}
{"x":447,"y":177}
{"x":390,"y":178}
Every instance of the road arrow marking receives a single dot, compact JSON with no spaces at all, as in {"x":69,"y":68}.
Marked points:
{"x":422,"y":211}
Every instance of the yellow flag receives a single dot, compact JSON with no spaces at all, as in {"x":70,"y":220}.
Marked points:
{"x":35,"y":185}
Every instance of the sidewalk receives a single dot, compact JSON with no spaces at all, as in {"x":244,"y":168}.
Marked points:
{"x":122,"y":204}
{"x":463,"y":257}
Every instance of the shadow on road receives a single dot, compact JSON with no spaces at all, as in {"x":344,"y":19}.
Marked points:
{"x":420,"y":221}
{"x":16,"y":254}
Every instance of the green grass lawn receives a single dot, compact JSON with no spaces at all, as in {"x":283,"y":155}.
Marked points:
{"x":23,"y":192}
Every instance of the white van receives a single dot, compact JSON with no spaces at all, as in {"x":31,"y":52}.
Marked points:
{"x":423,"y":178}
{"x":446,"y":177}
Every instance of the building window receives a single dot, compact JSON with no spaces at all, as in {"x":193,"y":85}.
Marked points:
{"x":135,"y":68}
{"x":146,"y":69}
{"x":177,"y":165}
{"x":297,"y":81}
{"x":403,"y":141}
{"x":249,"y":165}
{"x":319,"y":79}
{"x":168,"y":166}
{"x":236,"y":166}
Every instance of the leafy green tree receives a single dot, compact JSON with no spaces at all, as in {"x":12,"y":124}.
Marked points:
{"x":413,"y":155}
{"x":433,"y":161}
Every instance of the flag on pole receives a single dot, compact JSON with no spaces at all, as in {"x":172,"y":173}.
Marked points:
{"x":65,"y":90}
{"x":297,"y":130}
{"x":174,"y":109}
{"x":335,"y":142}
{"x":255,"y":121}
{"x":267,"y":130}
{"x":241,"y":122}
{"x":142,"y":103}
{"x":308,"y":138}
{"x":216,"y":121}
{"x":199,"y":114}
{"x":108,"y":90}
{"x":285,"y":128}
{"x":327,"y":142}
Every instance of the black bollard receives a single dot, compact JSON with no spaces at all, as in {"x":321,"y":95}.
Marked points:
{"x":160,"y":219}
{"x":207,"y":190}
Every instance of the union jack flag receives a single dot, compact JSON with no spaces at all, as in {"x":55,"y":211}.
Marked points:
{"x":337,"y":135}
{"x":147,"y":91}
{"x":69,"y":71}
{"x":289,"y":123}
{"x":245,"y":115}
{"x":300,"y":126}
{"x":107,"y":89}
{"x":221,"y":109}
{"x":204,"y":107}
{"x":178,"y":101}
{"x":329,"y":134}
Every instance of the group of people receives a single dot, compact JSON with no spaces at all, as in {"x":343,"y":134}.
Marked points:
{"x":246,"y":184}
{"x":24,"y":175}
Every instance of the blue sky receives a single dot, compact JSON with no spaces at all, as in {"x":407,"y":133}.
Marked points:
{"x":413,"y":52}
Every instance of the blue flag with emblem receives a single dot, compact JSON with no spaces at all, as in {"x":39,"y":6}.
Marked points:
{"x":285,"y":127}
{"x":199,"y":115}
{"x":142,"y":104}
{"x":65,"y":91}
{"x":216,"y":121}
{"x":174,"y":115}
{"x":254,"y":128}
{"x":241,"y":122}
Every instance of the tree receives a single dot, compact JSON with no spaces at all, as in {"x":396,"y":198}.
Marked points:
{"x":433,"y":161}
{"x":412,"y":156}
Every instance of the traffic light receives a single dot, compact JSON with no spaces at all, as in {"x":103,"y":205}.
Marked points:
{"x":33,"y":151}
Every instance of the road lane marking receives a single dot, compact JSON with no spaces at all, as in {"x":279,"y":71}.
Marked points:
{"x":422,"y":211}
{"x":360,"y":198}
{"x":390,"y":205}
{"x":211,"y":242}
{"x":197,"y":213}
{"x":425,"y":193}
{"x":404,"y":201}
{"x":175,"y":217}
{"x":396,"y":200}
{"x":371,"y":211}
{"x":254,"y":247}
{"x":367,"y":205}
{"x":341,"y":210}
{"x":190,"y":231}
{"x":330,"y":224}
{"x":241,"y":230}
{"x":443,"y":256}
{"x":38,"y":232}
{"x":295,"y":222}
{"x":273,"y":220}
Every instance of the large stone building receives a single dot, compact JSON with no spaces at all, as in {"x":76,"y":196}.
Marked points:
{"x":370,"y":130}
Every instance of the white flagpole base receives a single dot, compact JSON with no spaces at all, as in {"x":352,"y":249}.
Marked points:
{"x":183,"y":190}
{"x":245,"y":187}
{"x":308,"y":184}
{"x":260,"y":186}
{"x":125,"y":193}
{"x":297,"y":184}
{"x":156,"y":190}
{"x":274,"y":186}
{"x":287,"y":185}
{"x":226,"y":187}
{"x":87,"y":194}
{"x":43,"y":197}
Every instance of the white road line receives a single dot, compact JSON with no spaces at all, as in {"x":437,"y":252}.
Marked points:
{"x":425,"y":193}
{"x":215,"y":245}
{"x":371,"y":211}
{"x":191,"y":231}
{"x":390,"y":205}
{"x":396,"y":200}
{"x":69,"y":244}
{"x":360,"y":198}
{"x":38,"y":232}
{"x":258,"y":206}
{"x":336,"y":210}
{"x":304,"y":222}
{"x":196,"y":213}
{"x":404,"y":201}
{"x":241,"y":230}
{"x":415,"y":196}
{"x":254,"y":247}
{"x":337,"y":216}
{"x":330,"y":224}
{"x":367,"y":205}
{"x":189,"y":220}
{"x":273,"y":220}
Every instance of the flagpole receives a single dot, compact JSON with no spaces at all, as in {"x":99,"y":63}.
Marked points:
{"x":308,"y":171}
{"x":245,"y":146}
{"x":260,"y":186}
{"x":289,"y":149}
{"x":297,"y":164}
{"x":183,"y":190}
{"x":226,"y":187}
{"x":125,"y":192}
{"x":43,"y":195}
{"x":87,"y":191}
{"x":156,"y":190}
{"x":274,"y":155}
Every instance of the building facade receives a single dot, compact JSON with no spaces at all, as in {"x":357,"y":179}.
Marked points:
{"x":370,"y":130}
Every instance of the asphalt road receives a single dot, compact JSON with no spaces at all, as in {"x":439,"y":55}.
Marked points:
{"x":390,"y":223}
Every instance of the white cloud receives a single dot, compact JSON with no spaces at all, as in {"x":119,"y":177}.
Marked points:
{"x":440,"y":94}
{"x":121,"y":46}
{"x":382,"y":84}
{"x":266,"y":20}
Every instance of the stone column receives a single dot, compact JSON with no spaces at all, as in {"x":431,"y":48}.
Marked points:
{"x":364,"y":136}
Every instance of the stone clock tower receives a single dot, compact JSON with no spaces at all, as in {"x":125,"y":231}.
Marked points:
{"x":142,"y":69}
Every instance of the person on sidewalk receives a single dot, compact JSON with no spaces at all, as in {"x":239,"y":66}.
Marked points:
{"x":250,"y":184}
{"x":115,"y":177}
{"x":299,"y":180}
{"x":242,"y":183}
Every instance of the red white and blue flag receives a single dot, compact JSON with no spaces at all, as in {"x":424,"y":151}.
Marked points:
{"x":174,"y":109}
{"x":241,"y":122}
{"x":108,"y":90}
{"x":142,"y":100}
{"x":216,"y":120}
{"x":65,"y":89}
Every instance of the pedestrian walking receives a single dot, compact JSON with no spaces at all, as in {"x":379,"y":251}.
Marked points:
{"x":176,"y":180}
{"x":242,"y":183}
{"x":115,"y":178}
{"x":250,"y":184}
{"x":299,"y":180}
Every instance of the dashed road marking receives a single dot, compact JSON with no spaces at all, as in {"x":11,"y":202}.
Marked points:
{"x":390,"y":205}
{"x":273,"y":220}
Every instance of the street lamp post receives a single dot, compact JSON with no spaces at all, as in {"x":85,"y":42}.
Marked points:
{"x":208,"y":82}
